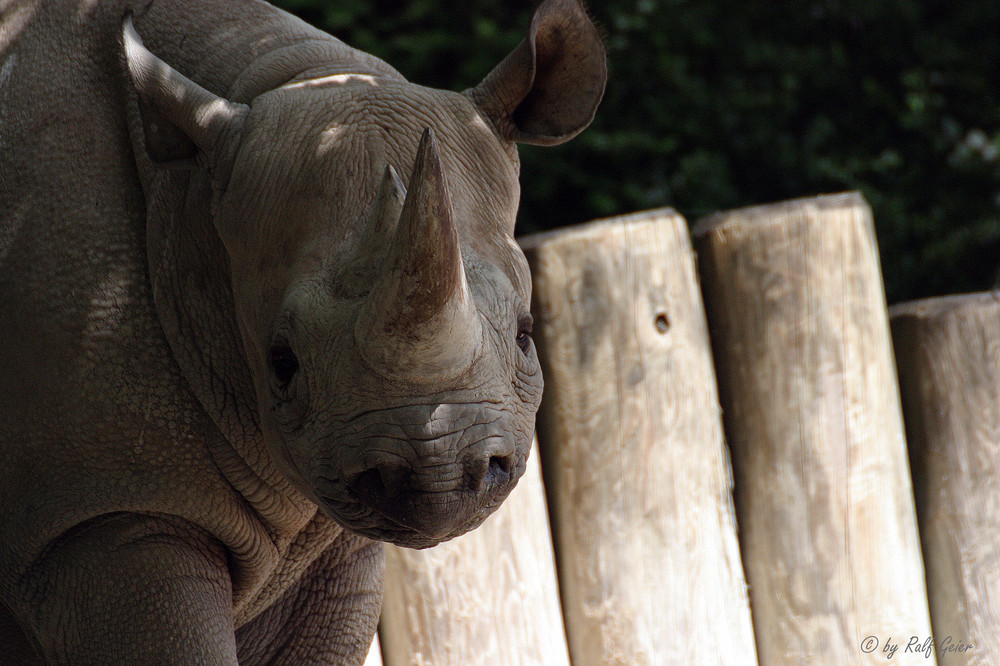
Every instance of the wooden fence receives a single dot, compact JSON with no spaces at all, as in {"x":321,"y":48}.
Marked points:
{"x":791,"y":357}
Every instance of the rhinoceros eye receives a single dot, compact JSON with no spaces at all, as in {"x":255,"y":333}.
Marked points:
{"x":284,"y":365}
{"x":524,"y":326}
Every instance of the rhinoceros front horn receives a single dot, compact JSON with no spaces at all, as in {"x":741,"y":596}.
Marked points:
{"x":420,"y":320}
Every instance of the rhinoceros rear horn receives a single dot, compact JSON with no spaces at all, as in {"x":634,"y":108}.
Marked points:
{"x":180,"y":118}
{"x":384,"y":218}
{"x":420,"y":319}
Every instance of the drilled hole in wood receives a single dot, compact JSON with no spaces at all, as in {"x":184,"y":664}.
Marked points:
{"x":662,"y":322}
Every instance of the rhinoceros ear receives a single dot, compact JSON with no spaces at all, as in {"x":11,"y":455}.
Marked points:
{"x":181,"y":120}
{"x":547,"y":90}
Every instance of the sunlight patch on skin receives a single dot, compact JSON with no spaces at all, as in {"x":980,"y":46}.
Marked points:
{"x":335,"y":79}
{"x":478,"y":122}
{"x":328,"y":138}
{"x":443,"y":411}
{"x":108,"y":308}
{"x":217,"y":108}
{"x":6,"y":69}
{"x":14,"y":22}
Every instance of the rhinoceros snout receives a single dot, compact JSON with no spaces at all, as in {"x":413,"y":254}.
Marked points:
{"x":436,"y":500}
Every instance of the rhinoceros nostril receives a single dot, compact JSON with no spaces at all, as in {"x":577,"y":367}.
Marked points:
{"x":498,"y":472}
{"x":501,"y":463}
{"x":368,"y":485}
{"x":380,"y":483}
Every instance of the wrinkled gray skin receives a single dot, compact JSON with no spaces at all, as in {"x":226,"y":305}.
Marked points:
{"x":260,"y":307}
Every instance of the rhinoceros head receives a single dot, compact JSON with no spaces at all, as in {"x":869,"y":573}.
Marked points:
{"x":382,"y":301}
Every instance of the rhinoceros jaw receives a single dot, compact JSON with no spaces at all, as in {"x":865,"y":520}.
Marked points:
{"x":420,"y":319}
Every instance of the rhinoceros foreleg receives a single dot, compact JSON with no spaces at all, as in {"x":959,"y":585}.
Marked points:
{"x":328,"y":617}
{"x":132,"y":589}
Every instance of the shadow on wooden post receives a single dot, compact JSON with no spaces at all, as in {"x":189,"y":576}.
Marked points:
{"x":948,"y":356}
{"x":635,"y":465}
{"x":808,"y":386}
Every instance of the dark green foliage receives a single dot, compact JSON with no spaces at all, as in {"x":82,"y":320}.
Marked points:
{"x":713,"y":105}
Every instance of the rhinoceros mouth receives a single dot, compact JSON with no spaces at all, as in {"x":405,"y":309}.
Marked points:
{"x":411,"y":519}
{"x":407,"y":537}
{"x":367,"y":522}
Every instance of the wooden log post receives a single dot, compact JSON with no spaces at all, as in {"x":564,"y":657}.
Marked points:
{"x":486,"y":598}
{"x":636,"y":468}
{"x":948,"y":358}
{"x":808,"y":387}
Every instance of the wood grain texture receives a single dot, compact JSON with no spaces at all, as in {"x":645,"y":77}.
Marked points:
{"x":636,"y":468}
{"x":948,"y":358}
{"x":489,"y":597}
{"x":808,"y":387}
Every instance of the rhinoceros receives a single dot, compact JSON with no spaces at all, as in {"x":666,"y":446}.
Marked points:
{"x":261,"y":310}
